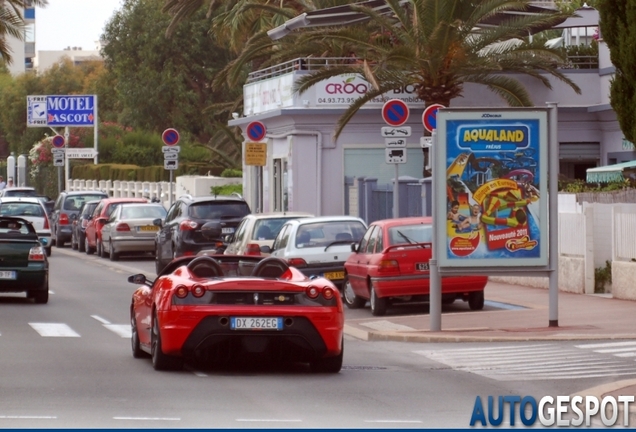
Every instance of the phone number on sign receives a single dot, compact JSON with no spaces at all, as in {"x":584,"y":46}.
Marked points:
{"x":336,"y":100}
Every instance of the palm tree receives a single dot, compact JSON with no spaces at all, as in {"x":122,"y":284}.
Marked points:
{"x":12,"y":23}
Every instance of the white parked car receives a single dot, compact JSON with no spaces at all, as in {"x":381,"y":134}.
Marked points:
{"x":319,"y":245}
{"x":33,"y":210}
{"x":257,"y":230}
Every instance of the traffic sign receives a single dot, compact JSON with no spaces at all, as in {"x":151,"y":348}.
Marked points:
{"x":403,"y":131}
{"x":58,"y":141}
{"x":256,"y":131}
{"x":395,"y":156}
{"x":171,"y":156}
{"x":395,"y":142}
{"x":255,"y":154}
{"x":58,"y":160}
{"x":171,"y":149}
{"x":429,"y":116}
{"x":426,"y":142}
{"x":395,"y":112}
{"x":170,"y":137}
{"x":81,"y":153}
{"x":170,"y":164}
{"x":58,"y":150}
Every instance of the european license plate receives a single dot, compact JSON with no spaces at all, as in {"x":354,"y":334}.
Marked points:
{"x":421,"y":266}
{"x":227,"y":230}
{"x":146,"y":228}
{"x":5,"y":274}
{"x":334,"y":275}
{"x":256,"y":323}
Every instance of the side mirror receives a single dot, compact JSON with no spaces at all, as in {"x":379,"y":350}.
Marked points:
{"x":157,"y":222}
{"x":138,"y":279}
{"x":211,"y":230}
{"x":354,"y":247}
{"x":266,"y":249}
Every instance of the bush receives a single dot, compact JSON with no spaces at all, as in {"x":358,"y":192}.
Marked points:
{"x":231,"y":172}
{"x":226,"y":190}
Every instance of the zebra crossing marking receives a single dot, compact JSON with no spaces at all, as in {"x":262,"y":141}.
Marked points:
{"x":54,"y":330}
{"x":531,"y":362}
{"x":624,"y":349}
{"x":123,"y":330}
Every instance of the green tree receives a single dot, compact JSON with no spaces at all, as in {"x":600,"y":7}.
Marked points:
{"x":167,"y":82}
{"x":618,"y":30}
{"x":12,"y":23}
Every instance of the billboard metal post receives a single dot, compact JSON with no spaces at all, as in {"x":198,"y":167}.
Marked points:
{"x":67,"y":176}
{"x":396,"y":193}
{"x":434,"y":275}
{"x":553,"y":215}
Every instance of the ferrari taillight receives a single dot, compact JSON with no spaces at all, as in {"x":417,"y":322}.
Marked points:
{"x":37,"y":254}
{"x":63,"y":219}
{"x":188,"y":225}
{"x":312,"y":292}
{"x":198,"y":290}
{"x":181,"y":291}
{"x":121,"y":226}
{"x":297,"y":262}
{"x":253,"y":249}
{"x":327,"y":293}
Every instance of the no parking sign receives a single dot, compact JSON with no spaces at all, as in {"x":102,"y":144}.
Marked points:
{"x":395,"y":112}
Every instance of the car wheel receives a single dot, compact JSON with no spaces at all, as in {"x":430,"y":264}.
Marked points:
{"x":137,"y":352}
{"x":87,"y":247}
{"x":80,"y":244}
{"x":350,"y":298}
{"x":48,"y":251}
{"x":476,"y":300}
{"x":378,"y":305}
{"x":100,"y":248}
{"x":114,"y":256}
{"x":59,"y":243}
{"x":158,"y":265}
{"x":73,"y":241}
{"x":161,"y":361}
{"x":40,"y":296}
{"x":328,"y":364}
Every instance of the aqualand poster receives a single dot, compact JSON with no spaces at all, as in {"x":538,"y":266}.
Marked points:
{"x":493,"y":195}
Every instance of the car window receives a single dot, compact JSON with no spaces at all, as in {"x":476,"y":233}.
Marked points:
{"x":88,"y":209}
{"x":417,"y":233}
{"x":20,"y":193}
{"x":365,"y":239}
{"x":219,"y":210}
{"x":98,"y":209}
{"x":15,"y":227}
{"x":143,"y":211}
{"x":21,"y":209}
{"x":379,"y":243}
{"x":372,"y":239}
{"x":172,"y":211}
{"x":240,"y":231}
{"x":283,"y":238}
{"x":267,"y":229}
{"x":74,"y":202}
{"x":322,"y":234}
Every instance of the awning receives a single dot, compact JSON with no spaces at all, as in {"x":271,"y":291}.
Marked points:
{"x":610,"y":173}
{"x":583,"y":17}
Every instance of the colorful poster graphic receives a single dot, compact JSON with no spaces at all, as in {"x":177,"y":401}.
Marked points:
{"x":494,"y":190}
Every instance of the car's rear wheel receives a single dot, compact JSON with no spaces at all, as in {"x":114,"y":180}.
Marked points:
{"x":48,"y":251}
{"x":137,"y":352}
{"x":161,"y":361}
{"x":87,"y":247}
{"x":80,"y":244}
{"x":350,"y":298}
{"x":73,"y":241}
{"x":476,"y":300}
{"x":40,"y":296}
{"x":114,"y":256}
{"x":378,"y":305}
{"x":329,"y":364}
{"x":59,"y":243}
{"x":100,"y":248}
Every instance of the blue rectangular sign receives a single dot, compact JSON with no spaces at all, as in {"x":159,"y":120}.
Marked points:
{"x":61,"y":110}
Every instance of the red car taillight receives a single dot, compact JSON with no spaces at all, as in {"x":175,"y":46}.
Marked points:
{"x":252,"y":249}
{"x":122,"y":227}
{"x":63,"y":219}
{"x":388,"y":266}
{"x":188,"y":225}
{"x":198,"y":290}
{"x":313,"y":292}
{"x":46,"y":222}
{"x":37,"y":254}
{"x":181,"y":291}
{"x":297,"y":262}
{"x":327,"y":293}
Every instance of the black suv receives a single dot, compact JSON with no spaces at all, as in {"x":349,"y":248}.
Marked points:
{"x":68,"y":204}
{"x":180,"y":232}
{"x":79,"y":224}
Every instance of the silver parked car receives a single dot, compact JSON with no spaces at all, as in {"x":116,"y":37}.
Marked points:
{"x":130,"y":229}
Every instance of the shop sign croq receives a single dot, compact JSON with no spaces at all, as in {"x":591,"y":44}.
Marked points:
{"x":346,"y":89}
{"x":492,"y":173}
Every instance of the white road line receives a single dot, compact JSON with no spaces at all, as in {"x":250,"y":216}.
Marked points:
{"x":123,"y":330}
{"x":9,"y":417}
{"x":393,"y":421}
{"x":629,"y":354}
{"x":269,"y":420}
{"x":100,"y":319}
{"x":615,"y":350}
{"x":385,"y":325}
{"x":606,"y":345}
{"x":514,"y":348}
{"x":148,"y":418}
{"x":54,"y":330}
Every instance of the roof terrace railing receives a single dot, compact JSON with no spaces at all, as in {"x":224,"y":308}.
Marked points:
{"x":298,"y":64}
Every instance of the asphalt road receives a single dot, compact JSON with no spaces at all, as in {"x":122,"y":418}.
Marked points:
{"x":68,"y":364}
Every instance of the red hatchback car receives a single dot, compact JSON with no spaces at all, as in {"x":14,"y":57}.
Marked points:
{"x":390,"y":265}
{"x":93,"y":231}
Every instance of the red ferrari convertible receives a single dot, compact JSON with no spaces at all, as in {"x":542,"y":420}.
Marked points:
{"x":228,"y":308}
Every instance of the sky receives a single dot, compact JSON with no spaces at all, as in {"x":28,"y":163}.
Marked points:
{"x":74,"y":23}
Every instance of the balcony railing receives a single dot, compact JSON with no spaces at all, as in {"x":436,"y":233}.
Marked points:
{"x":300,"y":64}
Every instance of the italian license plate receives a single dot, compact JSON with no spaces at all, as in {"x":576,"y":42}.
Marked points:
{"x":334,"y":275}
{"x":256,"y":323}
{"x":227,"y":230}
{"x":147,"y":228}
{"x":5,"y":274}
{"x":421,"y":266}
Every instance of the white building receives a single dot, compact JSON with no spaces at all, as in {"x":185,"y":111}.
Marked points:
{"x":23,"y":51}
{"x":45,"y":59}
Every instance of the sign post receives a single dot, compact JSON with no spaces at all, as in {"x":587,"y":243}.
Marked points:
{"x":58,"y":143}
{"x":171,"y":150}
{"x":256,"y":155}
{"x":395,"y":113}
